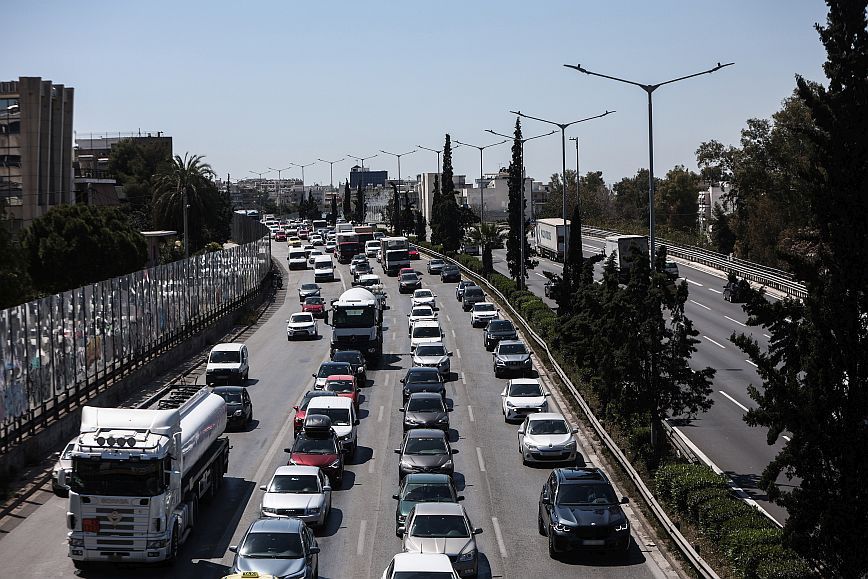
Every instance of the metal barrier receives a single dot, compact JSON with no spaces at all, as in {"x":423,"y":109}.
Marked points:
{"x":59,"y":351}
{"x":761,"y":274}
{"x":687,"y":550}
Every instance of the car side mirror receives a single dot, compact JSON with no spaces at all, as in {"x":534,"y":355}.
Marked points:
{"x":449,"y":353}
{"x":356,"y":422}
{"x":408,"y":315}
{"x":287,"y":450}
{"x":521,"y":430}
{"x":574,"y":430}
{"x":449,"y":409}
{"x":545,"y":500}
{"x":477,"y":531}
{"x":624,"y":500}
{"x":233,"y":548}
{"x":454,"y":451}
{"x":397,"y":451}
{"x":547,"y":394}
{"x":401,"y":529}
{"x":61,"y":477}
{"x":402,"y":410}
{"x":459,"y":498}
{"x":313,"y":550}
{"x":262,"y":487}
{"x":326,"y":488}
{"x":295,"y":408}
{"x":313,"y":375}
{"x":402,"y":380}
{"x":396,"y":497}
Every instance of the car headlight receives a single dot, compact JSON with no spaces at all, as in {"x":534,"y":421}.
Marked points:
{"x":76,"y":542}
{"x":468,"y":556}
{"x":406,"y":465}
{"x":335,"y":464}
{"x":292,"y":462}
{"x":509,"y":404}
{"x":499,"y":362}
{"x":312,"y":510}
{"x":622,"y":527}
{"x":238,"y":413}
{"x":571,"y":444}
{"x":532,"y":447}
{"x":561,"y":528}
{"x":269,"y":510}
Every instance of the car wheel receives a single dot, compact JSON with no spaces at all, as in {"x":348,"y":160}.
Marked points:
{"x":540,"y":525}
{"x":553,"y":551}
{"x":288,"y":339}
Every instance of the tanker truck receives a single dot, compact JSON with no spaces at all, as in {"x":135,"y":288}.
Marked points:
{"x":357,"y":323}
{"x":138,"y":477}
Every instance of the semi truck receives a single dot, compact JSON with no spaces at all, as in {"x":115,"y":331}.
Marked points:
{"x":551,"y":237}
{"x":138,"y":477}
{"x":396,"y":254}
{"x":357,"y":323}
{"x":626,"y":248}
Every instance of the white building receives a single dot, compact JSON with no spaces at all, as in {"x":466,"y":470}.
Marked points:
{"x":708,"y":199}
{"x":495,"y":194}
{"x":425,"y":191}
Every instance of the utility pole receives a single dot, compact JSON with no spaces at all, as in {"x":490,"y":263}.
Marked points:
{"x":481,"y":177}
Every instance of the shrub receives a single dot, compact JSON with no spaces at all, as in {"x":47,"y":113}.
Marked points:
{"x":790,"y":566}
{"x":737,"y":543}
{"x":714,"y":512}
{"x":699,"y":496}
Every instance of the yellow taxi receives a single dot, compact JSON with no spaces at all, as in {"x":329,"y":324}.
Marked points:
{"x":249,"y":575}
{"x":293,"y":241}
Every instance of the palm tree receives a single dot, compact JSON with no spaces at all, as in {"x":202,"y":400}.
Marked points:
{"x":185,"y":192}
{"x":487,"y":236}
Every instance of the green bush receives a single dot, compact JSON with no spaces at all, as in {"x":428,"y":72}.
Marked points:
{"x":670,"y":480}
{"x":699,"y":496}
{"x":714,"y":512}
{"x":790,"y":566}
{"x":736,"y":544}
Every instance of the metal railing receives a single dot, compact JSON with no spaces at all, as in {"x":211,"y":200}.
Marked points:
{"x":687,"y":550}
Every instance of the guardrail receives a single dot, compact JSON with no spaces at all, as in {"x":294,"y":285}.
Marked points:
{"x":761,"y":274}
{"x":699,"y":564}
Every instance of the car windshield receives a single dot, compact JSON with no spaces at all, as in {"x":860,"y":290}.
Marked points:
{"x":421,"y":445}
{"x":409,"y":277}
{"x":426,"y":331}
{"x":418,"y":375}
{"x":309,"y":287}
{"x":300,"y":318}
{"x":548,"y":427}
{"x":338,"y":416}
{"x":525,"y":390}
{"x":418,"y":312}
{"x":501,"y":326}
{"x":230,"y":396}
{"x":310,"y":396}
{"x":307,"y":445}
{"x":436,"y":262}
{"x":347,"y":356}
{"x":340,"y":386}
{"x":586,"y":494}
{"x":294,"y":483}
{"x":225,"y":356}
{"x":122,"y":478}
{"x":512,"y":349}
{"x":472,"y":292}
{"x":484,"y":308}
{"x":272,"y":546}
{"x":314,"y":301}
{"x":428,"y":493}
{"x":344,"y":317}
{"x":431,"y":350}
{"x":439,"y":526}
{"x":423,"y":294}
{"x":426,"y":404}
{"x":331,"y":368}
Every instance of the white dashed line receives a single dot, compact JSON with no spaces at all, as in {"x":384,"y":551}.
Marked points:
{"x":752,"y":364}
{"x":736,"y":321}
{"x":539,"y":274}
{"x":453,"y":332}
{"x":360,"y":546}
{"x":463,"y":379}
{"x":693,"y":282}
{"x":459,"y":353}
{"x":448,"y":319}
{"x":714,"y":290}
{"x":700,"y":305}
{"x":479,"y":458}
{"x":470,"y":413}
{"x":734,"y":401}
{"x":713,"y":342}
{"x":499,"y":536}
{"x":380,"y":415}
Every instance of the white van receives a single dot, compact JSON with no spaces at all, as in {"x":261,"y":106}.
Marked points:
{"x":425,"y":332}
{"x":371,"y":247}
{"x":297,"y":258}
{"x":323,"y":268}
{"x":342,"y":413}
{"x":228,"y":363}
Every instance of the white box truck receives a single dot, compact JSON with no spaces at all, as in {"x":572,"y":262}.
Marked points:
{"x":551,"y":237}
{"x":626,"y":248}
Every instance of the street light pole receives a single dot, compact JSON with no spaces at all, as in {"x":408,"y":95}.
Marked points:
{"x":259,"y":189}
{"x":481,"y":177}
{"x":649,"y":89}
{"x":279,"y":198}
{"x":521,"y":282}
{"x":361,"y":161}
{"x":563,"y":128}
{"x":578,"y":193}
{"x":331,"y":171}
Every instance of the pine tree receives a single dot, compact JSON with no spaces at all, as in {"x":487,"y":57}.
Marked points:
{"x":448,"y":213}
{"x":395,"y":210}
{"x":361,"y":206}
{"x":408,"y":220}
{"x":348,"y":206}
{"x":333,"y":216}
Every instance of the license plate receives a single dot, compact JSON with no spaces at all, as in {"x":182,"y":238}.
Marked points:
{"x":594,"y":542}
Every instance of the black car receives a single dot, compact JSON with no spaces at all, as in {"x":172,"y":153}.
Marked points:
{"x":423,"y":488}
{"x":435,"y":265}
{"x":409,"y":282}
{"x":450,"y":273}
{"x":425,"y":450}
{"x":327,"y":369}
{"x":423,"y":380}
{"x":459,"y":289}
{"x":578,"y":510}
{"x":472,"y":295}
{"x":239,"y":408}
{"x":426,"y":410}
{"x":511,"y":356}
{"x":356,"y":361}
{"x":498,"y":330}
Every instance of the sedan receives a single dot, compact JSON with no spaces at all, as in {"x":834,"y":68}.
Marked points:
{"x":423,"y":488}
{"x":522,"y":397}
{"x":511,"y":356}
{"x":283,"y":547}
{"x":413,"y":253}
{"x":546,"y":437}
{"x":301,"y":324}
{"x":361,"y":269}
{"x":314,"y":305}
{"x":409,"y":282}
{"x":424,"y":297}
{"x":317,"y":449}
{"x":498,"y":330}
{"x":327,"y":369}
{"x":450,"y":273}
{"x":301,"y":409}
{"x":343,"y":385}
{"x":297,"y":491}
{"x":482,"y":313}
{"x":422,"y":380}
{"x":280,"y":236}
{"x":435,"y":265}
{"x":313,"y":255}
{"x":419,"y":313}
{"x":425,"y":450}
{"x":359,"y":259}
{"x":317,"y":240}
{"x":428,"y":565}
{"x":443,"y":528}
{"x":239,"y":407}
{"x":330,"y":246}
{"x":432,"y":356}
{"x":307,"y":290}
{"x":425,"y":410}
{"x":356,"y":360}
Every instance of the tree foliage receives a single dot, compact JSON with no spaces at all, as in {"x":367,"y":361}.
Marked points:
{"x":74,"y":245}
{"x":446,"y":214}
{"x":420,"y":228}
{"x":675,"y":199}
{"x":488,"y":237}
{"x":333,"y":214}
{"x":14,"y":279}
{"x":361,"y":207}
{"x":516,"y":207}
{"x":348,"y":204}
{"x":136,"y":164}
{"x":435,"y":221}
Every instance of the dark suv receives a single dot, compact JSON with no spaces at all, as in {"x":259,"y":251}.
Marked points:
{"x":498,"y":330}
{"x":472,"y":295}
{"x":578,"y":510}
{"x":450,"y":273}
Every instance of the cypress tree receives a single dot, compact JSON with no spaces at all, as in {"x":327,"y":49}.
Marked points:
{"x":361,"y":207}
{"x":348,"y":205}
{"x":449,"y":211}
{"x":436,"y":218}
{"x":515,"y":212}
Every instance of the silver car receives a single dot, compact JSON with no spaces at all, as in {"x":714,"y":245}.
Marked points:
{"x":301,"y":324}
{"x":433,"y":356}
{"x":547,"y":437}
{"x":443,"y":528}
{"x":521,"y":397}
{"x":511,"y":356}
{"x":298,"y":491}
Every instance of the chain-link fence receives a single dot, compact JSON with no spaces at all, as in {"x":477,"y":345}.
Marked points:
{"x":59,"y":350}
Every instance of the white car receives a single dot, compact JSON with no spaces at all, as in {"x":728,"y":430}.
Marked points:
{"x":342,"y":412}
{"x":521,"y":397}
{"x":425,"y":332}
{"x":301,"y":324}
{"x":482,"y":313}
{"x":298,"y":491}
{"x":323,"y":268}
{"x":311,"y":257}
{"x":420,"y":313}
{"x":546,"y":437}
{"x":434,"y":356}
{"x":317,"y":240}
{"x":442,"y":528}
{"x":330,"y":245}
{"x":64,"y":463}
{"x":431,"y":565}
{"x":424,"y":297}
{"x":356,"y":261}
{"x":371,"y":248}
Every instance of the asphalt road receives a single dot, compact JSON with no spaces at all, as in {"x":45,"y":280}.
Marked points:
{"x":721,"y":434}
{"x":359,"y":539}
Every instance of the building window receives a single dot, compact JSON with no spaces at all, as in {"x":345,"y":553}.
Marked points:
{"x":10,"y":128}
{"x":10,"y":160}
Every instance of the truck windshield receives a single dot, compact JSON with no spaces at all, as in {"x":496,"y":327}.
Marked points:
{"x":358,"y":317}
{"x":121,"y":478}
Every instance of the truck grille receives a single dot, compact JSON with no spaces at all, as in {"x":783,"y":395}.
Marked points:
{"x":120,"y":528}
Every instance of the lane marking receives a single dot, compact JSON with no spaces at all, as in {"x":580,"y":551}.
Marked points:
{"x":734,"y":401}
{"x":700,"y":305}
{"x":459,"y":353}
{"x":714,"y":290}
{"x":470,"y":413}
{"x":539,"y":274}
{"x":380,"y":415}
{"x":479,"y":458}
{"x":693,"y":282}
{"x":752,"y":363}
{"x":371,"y":462}
{"x":500,"y":544}
{"x":736,"y":321}
{"x":360,"y":546}
{"x":713,"y":342}
{"x":785,"y":437}
{"x":448,"y":319}
{"x":453,"y":332}
{"x":767,"y":336}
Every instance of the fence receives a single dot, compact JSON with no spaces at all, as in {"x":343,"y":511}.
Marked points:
{"x":59,"y":351}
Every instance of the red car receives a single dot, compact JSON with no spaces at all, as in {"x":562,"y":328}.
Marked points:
{"x":280,"y":236}
{"x":315,"y":305}
{"x":317,"y":445}
{"x":302,"y":233}
{"x":343,"y":385}
{"x":301,"y":409}
{"x":413,"y":253}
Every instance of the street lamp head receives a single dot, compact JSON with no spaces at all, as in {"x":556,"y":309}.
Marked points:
{"x":577,"y":67}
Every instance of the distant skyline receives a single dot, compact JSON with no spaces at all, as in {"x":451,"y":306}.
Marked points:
{"x":267,"y":83}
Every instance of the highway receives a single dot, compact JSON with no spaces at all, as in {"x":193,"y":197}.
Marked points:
{"x":359,"y":539}
{"x":721,"y":433}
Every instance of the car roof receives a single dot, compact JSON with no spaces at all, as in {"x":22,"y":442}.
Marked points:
{"x":439,"y":509}
{"x":425,"y":432}
{"x":328,"y":363}
{"x":227,"y":347}
{"x":546,"y":416}
{"x":407,"y":562}
{"x":424,"y":395}
{"x":525,"y":381}
{"x":510,"y":342}
{"x":422,"y":289}
{"x":339,"y":377}
{"x":585,"y":473}
{"x":296,"y":469}
{"x":427,"y":477}
{"x":276,"y":525}
{"x":431,"y":343}
{"x":424,"y":323}
{"x":423,"y":370}
{"x":311,"y":394}
{"x":228,"y":389}
{"x":329,"y":402}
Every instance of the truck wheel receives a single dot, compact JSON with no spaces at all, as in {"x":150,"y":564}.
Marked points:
{"x":81,"y":565}
{"x":173,"y":546}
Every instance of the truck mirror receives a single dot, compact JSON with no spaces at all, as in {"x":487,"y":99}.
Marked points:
{"x":61,"y":477}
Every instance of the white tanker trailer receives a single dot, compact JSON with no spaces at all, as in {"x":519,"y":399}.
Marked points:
{"x":138,"y":476}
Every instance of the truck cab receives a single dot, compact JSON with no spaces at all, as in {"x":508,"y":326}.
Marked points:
{"x":357,"y":323}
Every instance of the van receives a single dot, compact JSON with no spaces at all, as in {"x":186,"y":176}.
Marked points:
{"x":227,"y":364}
{"x":344,"y":420}
{"x":297,"y":258}
{"x":323,"y":268}
{"x":425,"y":332}
{"x":371,"y":247}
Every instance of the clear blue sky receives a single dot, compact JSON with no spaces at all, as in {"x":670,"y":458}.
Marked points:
{"x":265,"y":83}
